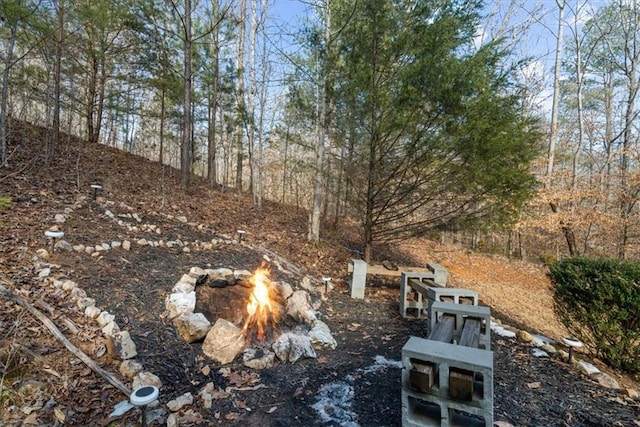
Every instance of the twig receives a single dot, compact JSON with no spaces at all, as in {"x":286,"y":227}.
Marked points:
{"x":56,"y":332}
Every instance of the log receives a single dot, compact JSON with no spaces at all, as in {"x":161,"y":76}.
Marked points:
{"x":12,"y":296}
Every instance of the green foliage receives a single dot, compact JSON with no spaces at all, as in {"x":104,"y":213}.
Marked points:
{"x":5,"y":202}
{"x":598,"y":300}
{"x":548,"y":258}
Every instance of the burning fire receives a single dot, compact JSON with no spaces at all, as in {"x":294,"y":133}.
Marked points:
{"x":262,"y":306}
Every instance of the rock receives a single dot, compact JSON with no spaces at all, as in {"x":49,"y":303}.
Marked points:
{"x":209,"y":392}
{"x":242,"y":274}
{"x":89,"y":250}
{"x":300,"y":309}
{"x":130,"y":368}
{"x":142,"y":242}
{"x":524,"y":336}
{"x":536,"y":352}
{"x":631,"y":393}
{"x":192,"y":327}
{"x":121,"y":346}
{"x":146,"y":378}
{"x":182,"y":219}
{"x":180,"y":303}
{"x":45,"y":272}
{"x":549,"y":348}
{"x":126,"y":245}
{"x":79,"y":248}
{"x":63,"y":245}
{"x":606,"y":380}
{"x":137,"y":217}
{"x":223,"y":342}
{"x":321,"y":336}
{"x":109,"y":214}
{"x":98,"y":248}
{"x":306,"y":283}
{"x":173,"y":420}
{"x":116,"y":244}
{"x":290,"y":347}
{"x":104,"y":318}
{"x":42,"y":253}
{"x":196,"y":272}
{"x":95,"y":254}
{"x":502,"y":424}
{"x":121,"y":408}
{"x":59,"y":218}
{"x":92,"y":312}
{"x":110,"y":328}
{"x":284,"y":289}
{"x":587,"y":368}
{"x":106,"y":246}
{"x":180,"y":401}
{"x":85,"y":302}
{"x":220,"y":277}
{"x":78,"y":293}
{"x":69,"y":285}
{"x":258,"y":358}
{"x":183,"y":287}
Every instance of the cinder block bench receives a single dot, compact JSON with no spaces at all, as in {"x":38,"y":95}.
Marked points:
{"x":360,"y":270}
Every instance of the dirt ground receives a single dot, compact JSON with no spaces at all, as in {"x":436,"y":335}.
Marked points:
{"x":43,"y":384}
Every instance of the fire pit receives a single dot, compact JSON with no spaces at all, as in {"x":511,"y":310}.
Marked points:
{"x":235,"y":312}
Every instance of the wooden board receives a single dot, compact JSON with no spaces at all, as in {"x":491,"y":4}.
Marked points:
{"x":421,"y":286}
{"x":443,"y":330}
{"x":470,"y":336}
{"x":461,"y":384}
{"x":422,"y":376}
{"x":380,"y":270}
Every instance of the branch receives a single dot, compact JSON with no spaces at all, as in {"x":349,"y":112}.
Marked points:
{"x":12,"y":296}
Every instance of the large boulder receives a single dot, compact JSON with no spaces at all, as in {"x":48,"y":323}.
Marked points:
{"x":223,"y":342}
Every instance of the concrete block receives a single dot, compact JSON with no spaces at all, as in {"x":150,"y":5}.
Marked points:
{"x":421,"y":409}
{"x":461,"y":311}
{"x":358,"y":278}
{"x":440,"y":273}
{"x":410,"y":300}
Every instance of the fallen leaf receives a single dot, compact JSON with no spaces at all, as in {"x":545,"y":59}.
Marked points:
{"x":272,"y":410}
{"x":232,"y":416}
{"x":534,"y":385}
{"x":60,"y":416}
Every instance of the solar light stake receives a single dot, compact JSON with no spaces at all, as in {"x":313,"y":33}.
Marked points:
{"x":53,"y":235}
{"x":571,"y":343}
{"x":142,"y":397}
{"x":96,"y":188}
{"x":241,"y":234}
{"x":326,"y":281}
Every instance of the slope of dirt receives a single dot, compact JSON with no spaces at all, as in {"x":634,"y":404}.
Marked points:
{"x":45,"y":385}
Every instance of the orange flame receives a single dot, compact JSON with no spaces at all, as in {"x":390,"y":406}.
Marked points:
{"x":261,"y":307}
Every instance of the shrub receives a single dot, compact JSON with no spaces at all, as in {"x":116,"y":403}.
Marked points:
{"x":598,"y":301}
{"x":5,"y":202}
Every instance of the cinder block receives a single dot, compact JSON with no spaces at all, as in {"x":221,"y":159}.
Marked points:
{"x":358,"y":278}
{"x":461,"y":311}
{"x":410,"y":300}
{"x":418,"y":408}
{"x":440,"y":274}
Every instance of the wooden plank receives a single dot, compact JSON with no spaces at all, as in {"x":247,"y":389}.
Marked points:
{"x":443,"y":330}
{"x":461,"y":384}
{"x":421,"y":376}
{"x":470,"y":336}
{"x":421,"y":286}
{"x":382,"y":271}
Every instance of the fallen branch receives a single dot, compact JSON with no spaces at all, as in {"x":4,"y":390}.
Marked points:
{"x":12,"y":296}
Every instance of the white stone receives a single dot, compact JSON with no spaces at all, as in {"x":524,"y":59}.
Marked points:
{"x":104,"y":318}
{"x":69,"y":285}
{"x":192,"y":327}
{"x":121,"y":346}
{"x":109,"y":214}
{"x":130,"y":368}
{"x":126,"y":245}
{"x":63,"y":245}
{"x":42,"y":253}
{"x":587,"y":368}
{"x":321,"y":336}
{"x":137,"y":217}
{"x":196,"y":272}
{"x":142,"y":242}
{"x":187,"y":278}
{"x":144,"y":379}
{"x":78,"y":293}
{"x":106,"y":246}
{"x":223,"y":342}
{"x":59,"y":218}
{"x":290,"y":347}
{"x":92,"y":312}
{"x":98,"y":248}
{"x":79,"y":248}
{"x":182,"y":219}
{"x":116,"y":244}
{"x":285,"y":290}
{"x":110,"y":329}
{"x":45,"y":272}
{"x":85,"y":302}
{"x":183,"y":287}
{"x":536,"y":352}
{"x":179,"y":303}
{"x":89,"y":249}
{"x":251,"y":360}
{"x":180,"y":402}
{"x":299,"y":307}
{"x":606,"y":380}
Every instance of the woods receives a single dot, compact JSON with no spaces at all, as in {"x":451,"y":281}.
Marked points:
{"x":403,"y":117}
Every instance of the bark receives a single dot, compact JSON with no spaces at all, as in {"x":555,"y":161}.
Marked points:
{"x":240,"y":107}
{"x":186,"y":125}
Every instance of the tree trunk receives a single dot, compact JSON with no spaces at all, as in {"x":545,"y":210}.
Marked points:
{"x":240,"y":107}
{"x":57,"y":86}
{"x":185,"y":161}
{"x":213,"y":104}
{"x":5,"y":95}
